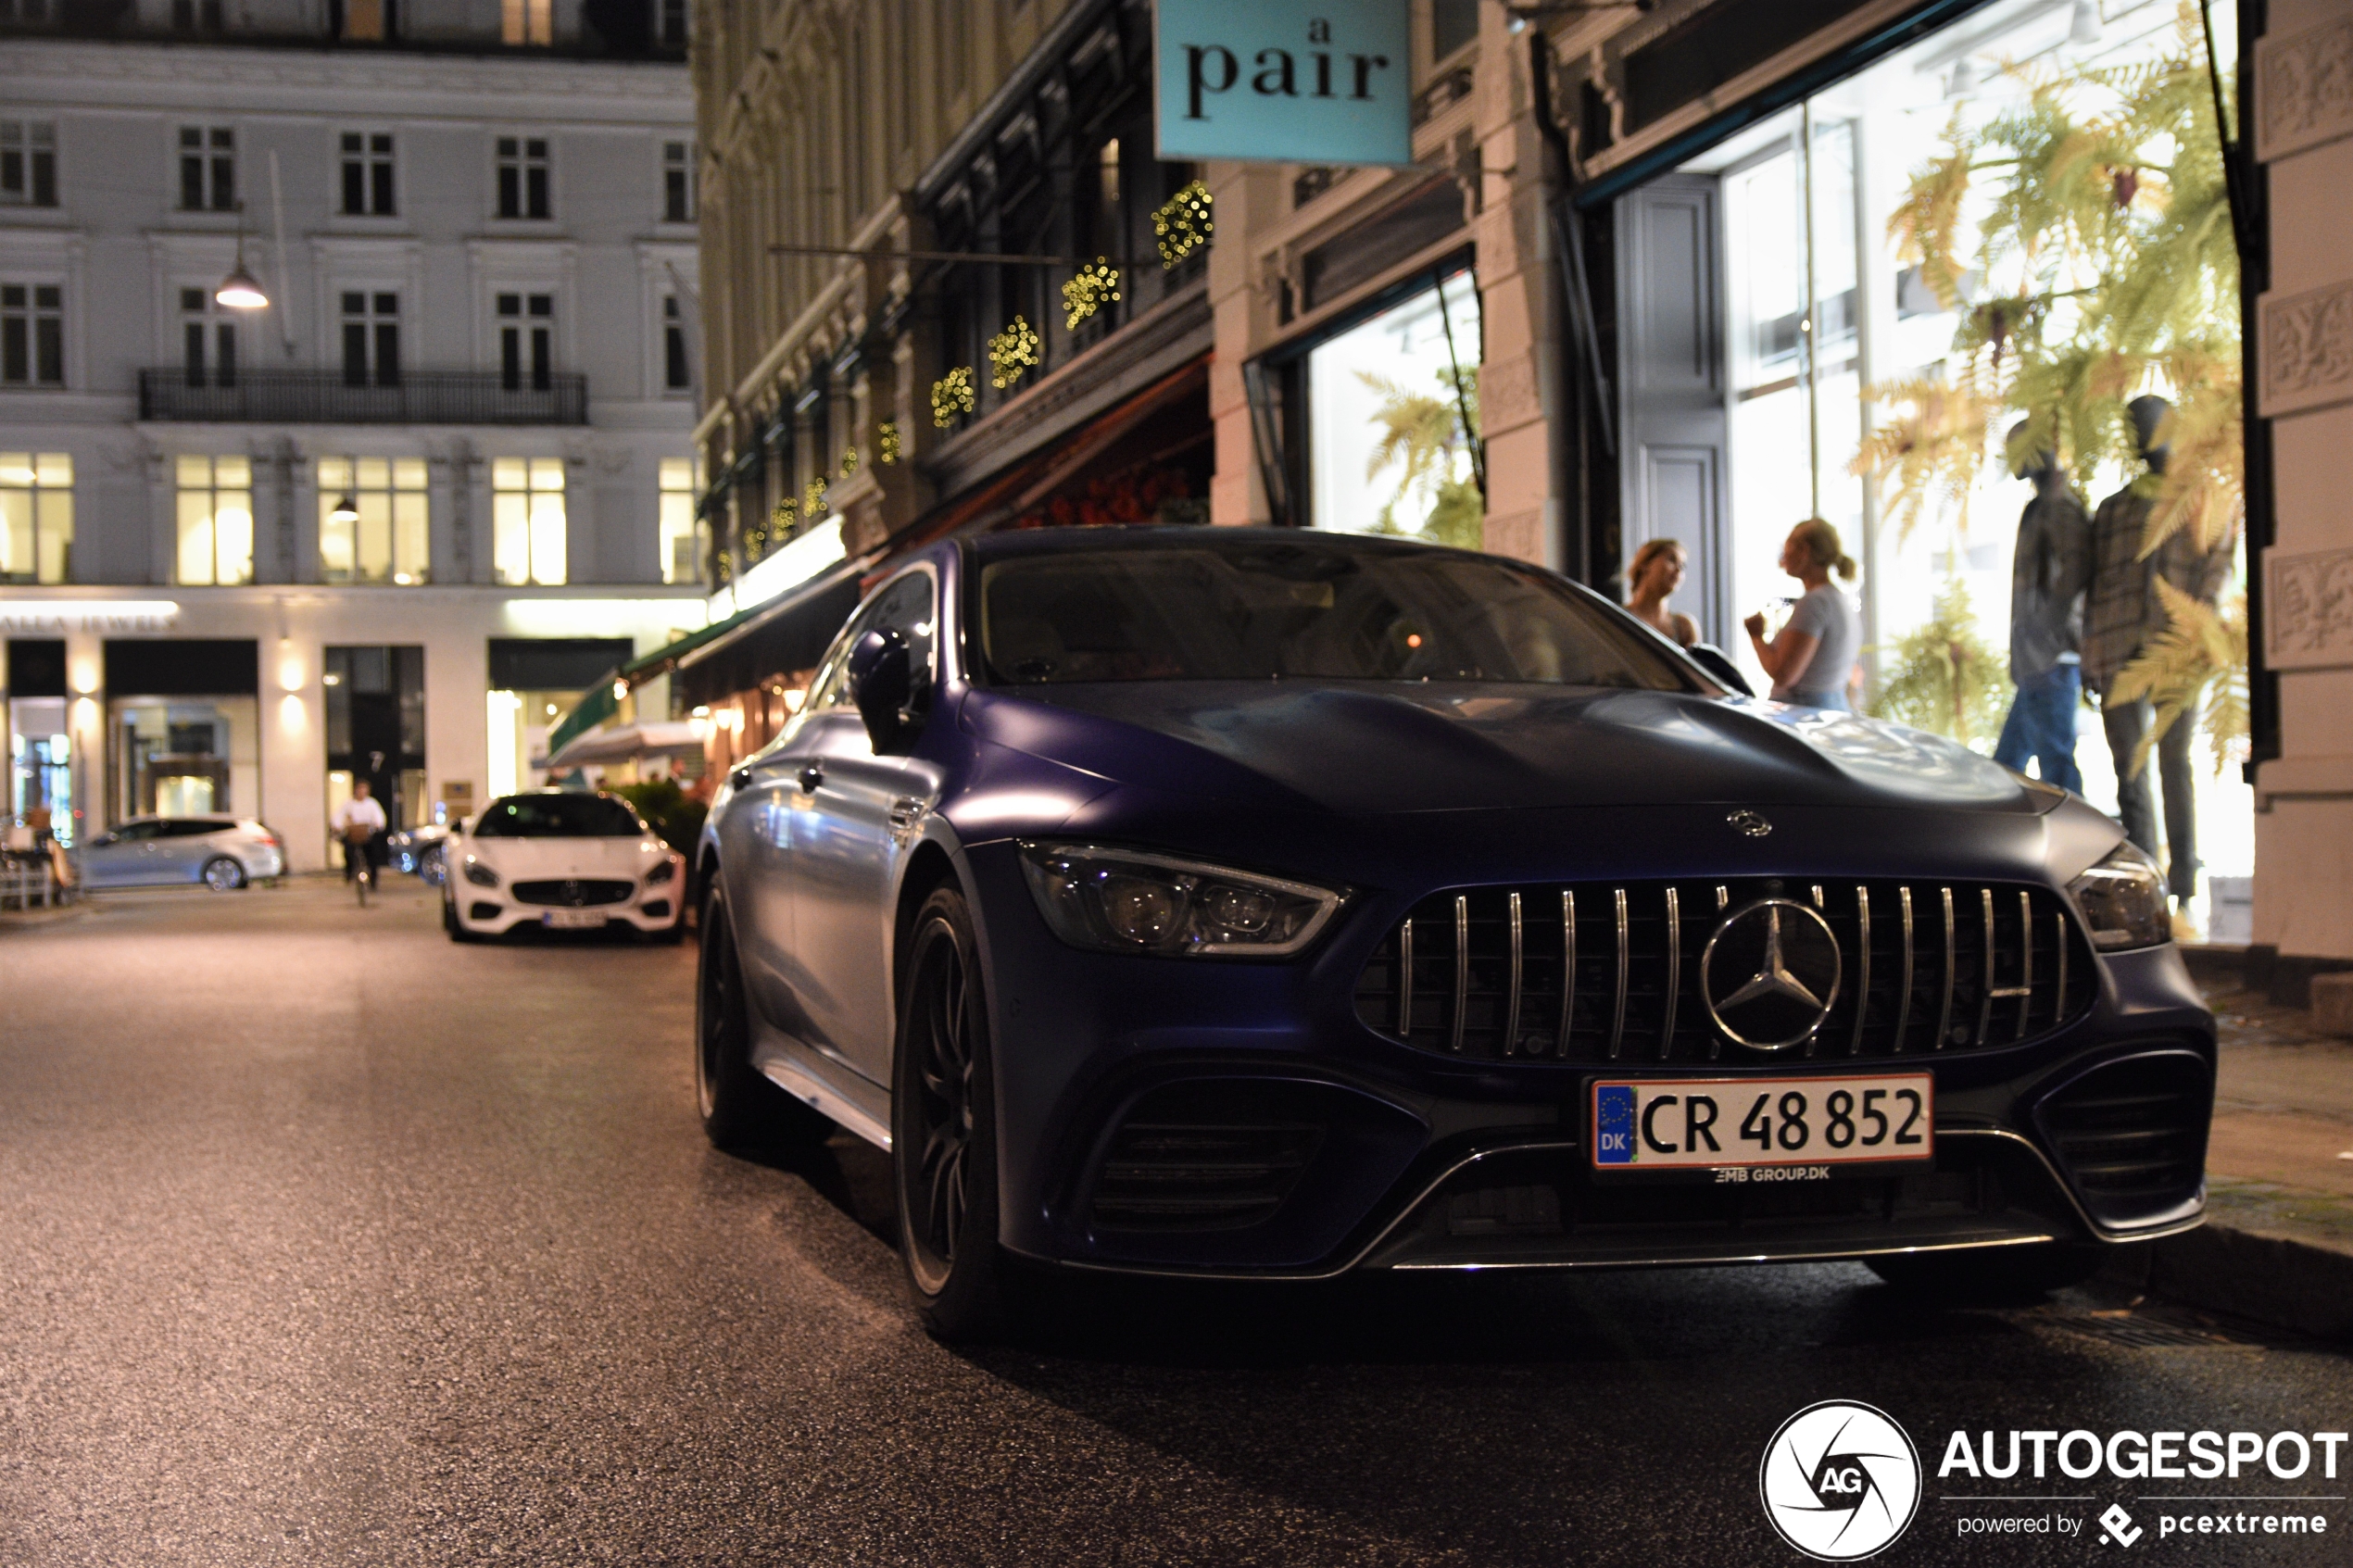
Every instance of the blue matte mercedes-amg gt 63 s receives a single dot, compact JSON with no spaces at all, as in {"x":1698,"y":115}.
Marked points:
{"x":1272,"y":905}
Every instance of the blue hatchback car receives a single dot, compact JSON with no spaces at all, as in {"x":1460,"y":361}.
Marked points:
{"x":1235,"y":903}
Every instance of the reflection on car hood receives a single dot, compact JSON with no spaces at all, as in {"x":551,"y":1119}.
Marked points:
{"x":514,"y":857}
{"x":1371,"y":749}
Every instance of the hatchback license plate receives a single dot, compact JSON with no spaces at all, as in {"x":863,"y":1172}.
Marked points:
{"x":1741,"y":1125}
{"x":573,"y":919}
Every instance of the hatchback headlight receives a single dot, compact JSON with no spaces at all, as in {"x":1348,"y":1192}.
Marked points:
{"x":2123,"y":901}
{"x":1128,"y":901}
{"x":661,"y":873}
{"x":480,"y":874}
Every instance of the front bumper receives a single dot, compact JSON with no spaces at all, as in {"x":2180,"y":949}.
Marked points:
{"x":1231,"y":1119}
{"x":493,"y":912}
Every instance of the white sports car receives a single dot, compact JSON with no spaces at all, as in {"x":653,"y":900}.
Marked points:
{"x":563,"y":861}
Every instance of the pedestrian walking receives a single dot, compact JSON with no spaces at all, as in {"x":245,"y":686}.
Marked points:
{"x":1812,"y":661}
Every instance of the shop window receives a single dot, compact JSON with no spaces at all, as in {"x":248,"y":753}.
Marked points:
{"x":370,"y":338}
{"x":678,"y":181}
{"x":207,"y":340}
{"x":522,"y":177}
{"x":366,"y":174}
{"x":28,"y":163}
{"x":677,"y":369}
{"x":527,"y":22}
{"x":36,"y":517}
{"x":215,"y":521}
{"x":526,"y":341}
{"x":373,"y":520}
{"x":207,"y":168}
{"x":682,"y":531}
{"x":185,"y":757}
{"x":1393,"y":408}
{"x":32,"y":334}
{"x":197,"y":15}
{"x":363,"y":21}
{"x":29,"y":13}
{"x":527,"y":519}
{"x":670,"y":23}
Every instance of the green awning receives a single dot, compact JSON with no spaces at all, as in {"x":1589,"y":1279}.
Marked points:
{"x":600,"y":704}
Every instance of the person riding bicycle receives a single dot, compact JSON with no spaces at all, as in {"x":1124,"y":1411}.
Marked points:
{"x":357,"y":823}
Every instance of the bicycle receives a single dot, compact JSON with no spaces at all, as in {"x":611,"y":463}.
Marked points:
{"x":363,"y":876}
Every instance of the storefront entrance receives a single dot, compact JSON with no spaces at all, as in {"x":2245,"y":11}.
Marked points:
{"x":376,"y":729}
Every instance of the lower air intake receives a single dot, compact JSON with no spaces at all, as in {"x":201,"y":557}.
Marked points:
{"x":1220,"y":1155}
{"x":2132,"y":1134}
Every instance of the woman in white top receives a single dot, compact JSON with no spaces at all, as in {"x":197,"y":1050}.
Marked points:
{"x":1651,"y":580}
{"x":1813,"y":656}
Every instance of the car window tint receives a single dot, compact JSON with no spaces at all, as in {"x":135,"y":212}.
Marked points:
{"x":186,"y":827}
{"x":1316,"y":608}
{"x":557,"y":816}
{"x":904,"y":606}
{"x":130,"y":833}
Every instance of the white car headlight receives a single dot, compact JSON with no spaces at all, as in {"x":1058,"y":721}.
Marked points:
{"x":1131,"y":901}
{"x":2123,"y":901}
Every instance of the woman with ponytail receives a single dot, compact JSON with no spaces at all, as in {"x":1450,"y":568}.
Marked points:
{"x":1812,"y":659}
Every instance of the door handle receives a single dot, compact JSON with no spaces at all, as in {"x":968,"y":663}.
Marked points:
{"x":810,"y":777}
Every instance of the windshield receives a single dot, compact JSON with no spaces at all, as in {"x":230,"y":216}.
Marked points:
{"x":1319,"y":608}
{"x":558,"y":816}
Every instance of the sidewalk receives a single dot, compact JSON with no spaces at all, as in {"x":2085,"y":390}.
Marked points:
{"x":2277,"y":1245}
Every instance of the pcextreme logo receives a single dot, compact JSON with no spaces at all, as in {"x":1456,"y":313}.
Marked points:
{"x":1840,"y":1480}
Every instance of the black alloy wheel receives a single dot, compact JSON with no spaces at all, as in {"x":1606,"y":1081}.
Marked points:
{"x":741,"y":1108}
{"x":943,"y":1130}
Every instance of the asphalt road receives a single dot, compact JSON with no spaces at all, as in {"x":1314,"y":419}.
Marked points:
{"x":324,"y":1241}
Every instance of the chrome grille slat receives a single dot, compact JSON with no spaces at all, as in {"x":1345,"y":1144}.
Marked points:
{"x":1511,"y":1013}
{"x":1507,"y":986}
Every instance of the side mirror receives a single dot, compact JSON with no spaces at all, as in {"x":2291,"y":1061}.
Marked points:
{"x":1716,"y":662}
{"x":882,"y":684}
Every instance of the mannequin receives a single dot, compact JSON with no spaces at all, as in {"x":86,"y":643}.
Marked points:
{"x":2048,"y":572}
{"x":2123,"y":612}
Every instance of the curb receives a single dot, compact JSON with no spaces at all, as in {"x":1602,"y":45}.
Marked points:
{"x":2262,"y":1275}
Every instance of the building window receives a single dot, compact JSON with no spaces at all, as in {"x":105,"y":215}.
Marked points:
{"x":678,"y":182}
{"x":677,"y":369}
{"x":36,"y":517}
{"x":34,"y":12}
{"x":32,"y":334}
{"x":370,"y":338}
{"x":197,"y":15}
{"x":682,"y":531}
{"x":207,"y":168}
{"x":216,"y":521}
{"x":670,"y":23}
{"x":522,"y":177}
{"x":1453,"y":23}
{"x":526,"y":341}
{"x":208,"y":340}
{"x":373,"y":522}
{"x":527,"y":519}
{"x":366,"y":174}
{"x":528,"y":21}
{"x":28,"y":163}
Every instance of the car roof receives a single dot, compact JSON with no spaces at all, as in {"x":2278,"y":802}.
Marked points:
{"x":1148,"y":536}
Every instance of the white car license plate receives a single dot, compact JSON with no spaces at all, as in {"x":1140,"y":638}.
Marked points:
{"x":573,"y":919}
{"x":1734,"y":1126}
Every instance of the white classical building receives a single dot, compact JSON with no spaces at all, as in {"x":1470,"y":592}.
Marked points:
{"x":388,"y":523}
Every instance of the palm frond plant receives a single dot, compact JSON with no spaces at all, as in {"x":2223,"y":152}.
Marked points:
{"x":2100,"y":266}
{"x":1423,"y":435}
{"x":1947,"y":677}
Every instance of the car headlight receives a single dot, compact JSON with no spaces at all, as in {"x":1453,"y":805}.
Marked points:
{"x":480,"y":874}
{"x":661,"y":873}
{"x":1130,"y":901}
{"x":2123,"y":901}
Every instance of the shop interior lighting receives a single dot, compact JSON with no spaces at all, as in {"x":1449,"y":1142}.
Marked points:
{"x":347,"y":511}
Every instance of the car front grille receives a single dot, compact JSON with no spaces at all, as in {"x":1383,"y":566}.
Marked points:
{"x":576,"y":893}
{"x":2133,"y":1133}
{"x":1924,"y":967}
{"x":1219,"y":1155}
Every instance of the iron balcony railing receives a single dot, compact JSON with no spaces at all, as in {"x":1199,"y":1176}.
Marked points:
{"x":1612,"y":972}
{"x":417,"y":398}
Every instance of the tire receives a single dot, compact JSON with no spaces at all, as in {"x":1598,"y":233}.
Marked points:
{"x":223,"y":875}
{"x":741,"y":1109}
{"x":1990,"y":1275}
{"x":457,"y":933}
{"x":944,"y":1130}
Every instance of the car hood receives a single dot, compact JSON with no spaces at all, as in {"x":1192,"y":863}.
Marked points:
{"x":522,"y":859}
{"x":1365,"y":748}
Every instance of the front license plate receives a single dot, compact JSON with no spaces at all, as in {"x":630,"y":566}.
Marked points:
{"x":573,"y":919}
{"x":1748,"y":1124}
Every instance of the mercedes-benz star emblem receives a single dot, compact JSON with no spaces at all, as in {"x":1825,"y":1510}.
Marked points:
{"x":1769,"y":974}
{"x":1751,"y":824}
